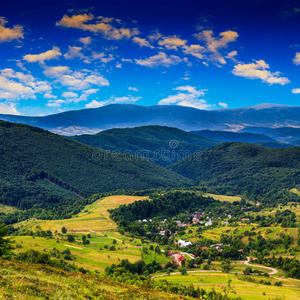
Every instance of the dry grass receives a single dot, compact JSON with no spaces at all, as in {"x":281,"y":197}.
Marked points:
{"x":93,"y":218}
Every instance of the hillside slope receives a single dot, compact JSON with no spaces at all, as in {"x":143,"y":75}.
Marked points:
{"x":247,"y":167}
{"x":161,"y":144}
{"x":285,"y":135}
{"x":36,"y":281}
{"x":228,"y":136}
{"x":29,"y":153}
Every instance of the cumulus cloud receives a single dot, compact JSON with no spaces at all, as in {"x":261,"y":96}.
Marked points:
{"x":296,"y":91}
{"x":172,"y":42}
{"x":74,"y":52}
{"x":98,"y":25}
{"x":155,"y":36}
{"x":214,"y":44}
{"x":58,"y":71}
{"x":224,"y":105}
{"x":296,"y":59}
{"x":48,"y":55}
{"x":82,"y":81}
{"x":85,"y":41}
{"x":161,"y":59}
{"x":259,"y":70}
{"x":8,"y":109}
{"x":133,"y":89}
{"x":17,"y":85}
{"x":112,"y":100}
{"x":71,"y":97}
{"x":9,"y":34}
{"x":195,"y":50}
{"x":142,"y":42}
{"x":188,"y":96}
{"x":103,"y":57}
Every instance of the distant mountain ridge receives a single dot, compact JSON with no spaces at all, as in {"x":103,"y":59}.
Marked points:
{"x":185,"y":118}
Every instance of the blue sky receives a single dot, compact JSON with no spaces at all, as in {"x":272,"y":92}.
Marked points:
{"x":65,"y":55}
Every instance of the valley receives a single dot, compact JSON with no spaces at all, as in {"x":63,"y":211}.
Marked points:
{"x":219,"y":223}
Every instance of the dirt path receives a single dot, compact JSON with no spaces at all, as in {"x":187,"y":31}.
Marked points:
{"x":73,"y":246}
{"x":273,"y":270}
{"x":245,"y":262}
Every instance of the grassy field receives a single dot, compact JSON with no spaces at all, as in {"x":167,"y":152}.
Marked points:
{"x":244,"y":289}
{"x":224,"y":197}
{"x":295,"y":191}
{"x":6,"y":209}
{"x":93,"y":218}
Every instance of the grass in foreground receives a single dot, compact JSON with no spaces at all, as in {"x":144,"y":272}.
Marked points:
{"x":33,"y":281}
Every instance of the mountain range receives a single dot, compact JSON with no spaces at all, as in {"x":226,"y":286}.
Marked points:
{"x":185,"y":118}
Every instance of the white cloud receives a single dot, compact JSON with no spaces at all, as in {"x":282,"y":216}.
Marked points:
{"x":48,"y":55}
{"x":102,"y":57}
{"x":172,"y":42}
{"x":17,"y":85}
{"x":155,"y":36}
{"x":133,"y":89}
{"x":56,"y":103}
{"x":161,"y":59}
{"x":195,"y":50}
{"x":9,"y":34}
{"x":8,"y":109}
{"x":127,"y":60}
{"x":69,"y":95}
{"x":49,"y":96}
{"x":85,"y":41}
{"x":188,"y":96}
{"x":142,"y":42}
{"x":296,"y":59}
{"x":58,"y":71}
{"x":98,"y":25}
{"x":296,"y":91}
{"x":231,"y":54}
{"x":259,"y":70}
{"x":112,"y":100}
{"x":224,"y":105}
{"x":82,"y":81}
{"x":214,"y":45}
{"x":74,"y":52}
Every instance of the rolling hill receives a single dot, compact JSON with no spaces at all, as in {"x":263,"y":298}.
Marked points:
{"x":252,"y":168}
{"x":185,"y":118}
{"x":29,"y":154}
{"x":285,"y":135}
{"x":228,"y":136}
{"x":161,"y":144}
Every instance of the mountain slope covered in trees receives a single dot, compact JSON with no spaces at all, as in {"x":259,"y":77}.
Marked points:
{"x":252,"y":169}
{"x":161,"y":144}
{"x":29,"y":153}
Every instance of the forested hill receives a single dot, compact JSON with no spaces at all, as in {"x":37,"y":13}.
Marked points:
{"x":28,"y":153}
{"x":161,"y":144}
{"x":251,"y":168}
{"x":228,"y":136}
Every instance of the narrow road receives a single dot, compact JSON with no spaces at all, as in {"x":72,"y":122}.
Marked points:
{"x":245,"y":262}
{"x":273,"y":270}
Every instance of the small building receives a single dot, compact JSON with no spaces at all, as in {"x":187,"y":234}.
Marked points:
{"x":183,"y":244}
{"x":203,"y":248}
